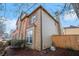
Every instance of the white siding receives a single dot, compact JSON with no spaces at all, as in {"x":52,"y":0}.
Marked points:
{"x":48,"y":29}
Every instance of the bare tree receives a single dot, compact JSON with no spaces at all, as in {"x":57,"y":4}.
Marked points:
{"x":21,"y":7}
{"x":2,"y":19}
{"x":2,"y":26}
{"x":76,"y":8}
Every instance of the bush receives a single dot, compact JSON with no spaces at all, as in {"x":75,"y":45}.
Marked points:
{"x":1,"y":44}
{"x":9,"y":42}
{"x":70,"y":49}
{"x":18,"y":43}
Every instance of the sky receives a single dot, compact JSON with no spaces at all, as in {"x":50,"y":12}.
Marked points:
{"x":11,"y":16}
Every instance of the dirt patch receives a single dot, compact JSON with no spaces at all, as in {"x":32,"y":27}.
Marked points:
{"x":30,"y":52}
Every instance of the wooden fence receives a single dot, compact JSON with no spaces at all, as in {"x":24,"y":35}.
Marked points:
{"x":66,"y":41}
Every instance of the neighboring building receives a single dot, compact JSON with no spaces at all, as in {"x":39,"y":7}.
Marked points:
{"x":72,"y":30}
{"x":38,"y":27}
{"x":18,"y":26}
{"x":14,"y":34}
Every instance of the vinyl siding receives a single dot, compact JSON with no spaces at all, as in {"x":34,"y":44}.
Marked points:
{"x":49,"y":28}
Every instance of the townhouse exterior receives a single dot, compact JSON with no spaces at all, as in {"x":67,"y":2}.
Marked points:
{"x":37,"y":28}
{"x":72,"y":30}
{"x":14,"y":35}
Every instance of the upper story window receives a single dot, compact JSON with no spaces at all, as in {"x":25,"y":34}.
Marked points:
{"x":33,"y":19}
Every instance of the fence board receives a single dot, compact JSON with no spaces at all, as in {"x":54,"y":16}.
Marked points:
{"x":66,"y":41}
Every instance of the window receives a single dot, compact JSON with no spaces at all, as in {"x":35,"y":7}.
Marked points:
{"x":33,"y":19}
{"x":29,"y":37}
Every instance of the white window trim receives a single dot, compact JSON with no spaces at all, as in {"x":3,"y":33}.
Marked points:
{"x":27,"y":35}
{"x":33,"y":19}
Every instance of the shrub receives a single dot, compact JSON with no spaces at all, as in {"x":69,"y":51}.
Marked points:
{"x":1,"y":44}
{"x":9,"y":42}
{"x":18,"y":43}
{"x":70,"y":49}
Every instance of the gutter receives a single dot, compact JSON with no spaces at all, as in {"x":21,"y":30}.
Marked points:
{"x":41,"y":27}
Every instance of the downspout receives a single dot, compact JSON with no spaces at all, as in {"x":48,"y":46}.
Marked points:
{"x":41,"y":27}
{"x":59,"y":23}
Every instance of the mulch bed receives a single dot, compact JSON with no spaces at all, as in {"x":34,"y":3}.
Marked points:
{"x":30,"y":52}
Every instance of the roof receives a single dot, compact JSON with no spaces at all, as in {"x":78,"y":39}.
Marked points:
{"x":71,"y":27}
{"x":42,"y":9}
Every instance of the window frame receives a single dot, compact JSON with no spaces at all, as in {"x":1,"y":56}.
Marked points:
{"x":28,"y":38}
{"x":33,"y":19}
